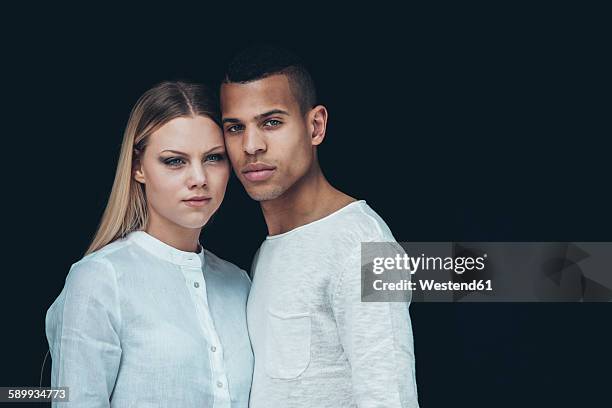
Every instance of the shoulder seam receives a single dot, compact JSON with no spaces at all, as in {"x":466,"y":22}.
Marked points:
{"x":104,"y":260}
{"x":104,"y":252}
{"x":373,"y":220}
{"x":340,"y":278}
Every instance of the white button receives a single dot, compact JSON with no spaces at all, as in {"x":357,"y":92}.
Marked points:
{"x":219,"y":384}
{"x":213,"y":349}
{"x":196,"y":284}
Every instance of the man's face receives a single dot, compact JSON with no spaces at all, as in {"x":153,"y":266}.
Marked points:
{"x":267,"y":137}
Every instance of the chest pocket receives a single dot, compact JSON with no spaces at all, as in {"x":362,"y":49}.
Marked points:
{"x":288,"y":344}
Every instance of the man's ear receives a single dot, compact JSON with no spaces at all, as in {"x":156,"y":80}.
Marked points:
{"x":317,"y":120}
{"x":138,"y":172}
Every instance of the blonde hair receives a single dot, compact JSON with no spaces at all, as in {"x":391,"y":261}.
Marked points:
{"x":126,"y":210}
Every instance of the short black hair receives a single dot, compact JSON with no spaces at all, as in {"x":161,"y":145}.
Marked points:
{"x":263,"y":60}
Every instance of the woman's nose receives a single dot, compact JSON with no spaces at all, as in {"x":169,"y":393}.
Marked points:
{"x":197,"y":176}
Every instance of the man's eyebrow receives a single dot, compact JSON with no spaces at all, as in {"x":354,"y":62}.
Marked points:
{"x":270,"y":113}
{"x":258,"y":117}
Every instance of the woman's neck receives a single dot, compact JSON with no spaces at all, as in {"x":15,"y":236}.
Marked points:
{"x":184,"y":239}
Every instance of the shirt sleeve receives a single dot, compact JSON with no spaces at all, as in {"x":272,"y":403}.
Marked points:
{"x":82,"y":328}
{"x":377,"y":339}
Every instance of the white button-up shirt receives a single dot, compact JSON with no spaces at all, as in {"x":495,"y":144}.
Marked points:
{"x":141,"y":323}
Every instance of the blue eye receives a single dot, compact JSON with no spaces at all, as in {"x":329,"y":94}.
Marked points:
{"x":174,"y":161}
{"x":272,"y":123}
{"x":215,"y":157}
{"x":234,"y":128}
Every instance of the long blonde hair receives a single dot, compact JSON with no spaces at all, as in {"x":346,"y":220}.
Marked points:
{"x":126,"y":210}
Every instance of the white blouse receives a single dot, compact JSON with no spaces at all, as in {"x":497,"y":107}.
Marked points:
{"x":141,"y":323}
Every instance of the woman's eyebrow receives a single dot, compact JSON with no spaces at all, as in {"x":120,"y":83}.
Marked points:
{"x":175,"y":152}
{"x":185,"y":154}
{"x":215,"y":148}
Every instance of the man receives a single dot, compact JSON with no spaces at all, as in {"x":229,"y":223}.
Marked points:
{"x":316,"y":344}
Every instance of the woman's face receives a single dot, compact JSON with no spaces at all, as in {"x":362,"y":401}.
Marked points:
{"x":185,"y":171}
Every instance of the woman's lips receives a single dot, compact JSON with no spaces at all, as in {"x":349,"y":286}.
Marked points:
{"x":197,"y":202}
{"x":258,"y":175}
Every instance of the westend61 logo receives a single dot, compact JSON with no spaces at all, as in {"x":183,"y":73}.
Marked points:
{"x":412,"y":264}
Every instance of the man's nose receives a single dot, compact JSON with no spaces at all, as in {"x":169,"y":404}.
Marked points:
{"x":253,"y":142}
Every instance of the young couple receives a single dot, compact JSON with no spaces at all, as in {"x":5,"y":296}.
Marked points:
{"x":150,"y":318}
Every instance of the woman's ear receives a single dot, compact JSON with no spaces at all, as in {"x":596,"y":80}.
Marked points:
{"x":317,"y":118}
{"x":137,"y":170}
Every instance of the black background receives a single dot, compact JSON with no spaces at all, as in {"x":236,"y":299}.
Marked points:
{"x":454,"y":123}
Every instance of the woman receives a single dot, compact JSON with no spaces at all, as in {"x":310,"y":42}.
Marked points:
{"x":148,"y":317}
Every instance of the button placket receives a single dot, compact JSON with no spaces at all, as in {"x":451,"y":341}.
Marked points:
{"x":193,"y":275}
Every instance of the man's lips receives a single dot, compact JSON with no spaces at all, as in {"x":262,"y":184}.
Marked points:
{"x":197,"y":201}
{"x":257,"y":171}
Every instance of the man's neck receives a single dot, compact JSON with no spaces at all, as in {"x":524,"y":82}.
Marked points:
{"x":308,"y":200}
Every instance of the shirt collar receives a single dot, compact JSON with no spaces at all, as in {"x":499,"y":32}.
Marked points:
{"x":165,"y":251}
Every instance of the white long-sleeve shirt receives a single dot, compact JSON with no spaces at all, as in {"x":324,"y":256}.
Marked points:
{"x":140,"y":323}
{"x":316,"y":344}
